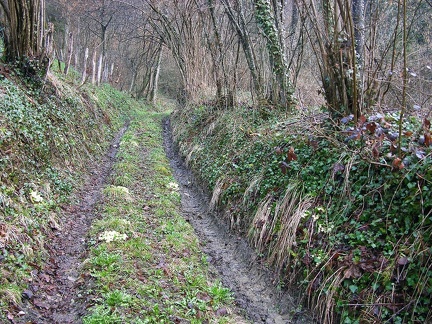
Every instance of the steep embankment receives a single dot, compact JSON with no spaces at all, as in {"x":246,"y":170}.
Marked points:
{"x":333,"y":208}
{"x":48,"y":138}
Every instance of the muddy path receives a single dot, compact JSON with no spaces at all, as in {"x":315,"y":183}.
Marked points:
{"x":54,"y":296}
{"x":230,"y":254}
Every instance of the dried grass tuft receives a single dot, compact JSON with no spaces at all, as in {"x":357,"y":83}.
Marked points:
{"x":251,"y":190}
{"x":217,"y":191}
{"x":260,"y":229}
{"x":325,"y":301}
{"x":188,"y":158}
{"x":289,"y":212}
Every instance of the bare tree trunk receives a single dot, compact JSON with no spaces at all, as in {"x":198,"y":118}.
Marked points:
{"x":99,"y":69}
{"x":94,"y":67}
{"x":69,"y":53}
{"x":84,"y":71}
{"x":239,"y":23}
{"x":154,"y":88}
{"x":132,"y":84}
{"x":270,"y":19}
{"x":26,"y":29}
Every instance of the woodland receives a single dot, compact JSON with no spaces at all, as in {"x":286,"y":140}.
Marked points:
{"x":308,"y":122}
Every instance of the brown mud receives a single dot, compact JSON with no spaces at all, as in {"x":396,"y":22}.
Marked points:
{"x":55,"y":293}
{"x":237,"y":264}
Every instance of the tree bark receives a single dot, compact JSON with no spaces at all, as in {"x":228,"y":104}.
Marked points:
{"x":26,"y":29}
{"x":94,"y":67}
{"x":84,"y":71}
{"x":69,"y":53}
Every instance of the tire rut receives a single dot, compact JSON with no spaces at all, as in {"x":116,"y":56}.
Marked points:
{"x":54,"y":295}
{"x":230,"y":254}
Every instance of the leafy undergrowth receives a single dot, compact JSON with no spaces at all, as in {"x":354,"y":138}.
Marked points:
{"x":48,"y":135}
{"x":333,"y":206}
{"x":145,"y":259}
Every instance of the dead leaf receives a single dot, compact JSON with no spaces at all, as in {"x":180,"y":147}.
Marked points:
{"x":427,"y":139}
{"x":362,"y":119}
{"x":27,"y":294}
{"x":352,"y":272}
{"x":426,"y":124}
{"x":278,"y":150}
{"x":408,"y":133}
{"x":284,"y":167}
{"x":338,"y":167}
{"x":397,"y":164}
{"x":41,"y":304}
{"x":371,"y":127}
{"x":291,"y":155}
{"x":375,"y":151}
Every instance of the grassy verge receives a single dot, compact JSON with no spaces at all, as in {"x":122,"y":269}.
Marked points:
{"x":332,"y":207}
{"x":145,"y":259}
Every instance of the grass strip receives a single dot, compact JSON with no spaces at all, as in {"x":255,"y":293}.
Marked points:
{"x":145,"y":259}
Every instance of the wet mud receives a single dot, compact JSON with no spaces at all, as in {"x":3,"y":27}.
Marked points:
{"x":55,"y":294}
{"x":236,"y":262}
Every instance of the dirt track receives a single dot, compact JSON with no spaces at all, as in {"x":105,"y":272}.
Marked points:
{"x":55,"y":295}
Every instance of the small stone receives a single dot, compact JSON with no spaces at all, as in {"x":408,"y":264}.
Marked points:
{"x":27,"y":294}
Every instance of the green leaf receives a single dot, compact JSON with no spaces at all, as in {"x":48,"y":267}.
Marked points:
{"x":353,"y":288}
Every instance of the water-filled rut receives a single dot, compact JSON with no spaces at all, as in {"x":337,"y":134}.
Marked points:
{"x":235,"y":261}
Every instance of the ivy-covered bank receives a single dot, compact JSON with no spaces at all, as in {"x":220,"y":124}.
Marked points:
{"x":48,"y":136}
{"x":332,"y":206}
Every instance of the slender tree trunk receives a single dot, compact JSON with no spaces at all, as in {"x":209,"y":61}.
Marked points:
{"x":154,"y":88}
{"x":69,"y":53}
{"x":269,"y":17}
{"x":99,"y":69}
{"x":84,"y":71}
{"x":94,"y":67}
{"x":239,"y":23}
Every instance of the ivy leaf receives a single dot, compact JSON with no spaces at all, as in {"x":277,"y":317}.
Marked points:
{"x":353,"y":288}
{"x":347,"y":119}
{"x":420,"y":154}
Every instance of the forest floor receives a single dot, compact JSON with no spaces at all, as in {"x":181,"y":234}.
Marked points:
{"x":125,"y":250}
